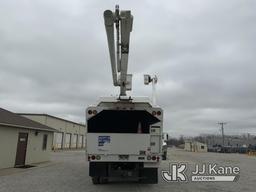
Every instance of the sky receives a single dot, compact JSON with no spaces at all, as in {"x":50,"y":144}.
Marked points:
{"x":54,"y":59}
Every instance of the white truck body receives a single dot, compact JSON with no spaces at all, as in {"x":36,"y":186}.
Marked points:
{"x":138,"y":147}
{"x":124,"y":138}
{"x":117,"y":144}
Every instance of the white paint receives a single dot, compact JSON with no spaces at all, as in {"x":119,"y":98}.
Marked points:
{"x":119,"y":143}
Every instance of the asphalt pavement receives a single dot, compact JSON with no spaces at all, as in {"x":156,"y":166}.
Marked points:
{"x":68,"y":172}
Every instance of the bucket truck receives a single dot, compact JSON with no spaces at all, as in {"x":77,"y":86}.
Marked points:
{"x":124,"y":133}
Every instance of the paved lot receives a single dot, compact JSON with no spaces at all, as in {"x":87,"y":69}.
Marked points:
{"x":68,"y":171}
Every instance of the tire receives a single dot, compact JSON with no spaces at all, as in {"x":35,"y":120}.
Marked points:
{"x":164,"y":156}
{"x":103,"y":180}
{"x":95,"y":180}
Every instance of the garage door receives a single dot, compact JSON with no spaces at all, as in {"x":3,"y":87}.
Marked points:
{"x":80,"y":141}
{"x":67,"y":140}
{"x":58,"y":140}
{"x":75,"y":140}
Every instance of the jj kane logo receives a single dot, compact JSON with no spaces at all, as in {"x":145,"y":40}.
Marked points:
{"x":201,"y":173}
{"x":175,"y":173}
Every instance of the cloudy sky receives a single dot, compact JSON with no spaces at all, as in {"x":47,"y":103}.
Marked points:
{"x":54,"y":59}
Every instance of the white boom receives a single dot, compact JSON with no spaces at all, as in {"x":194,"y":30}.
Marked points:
{"x":119,"y":63}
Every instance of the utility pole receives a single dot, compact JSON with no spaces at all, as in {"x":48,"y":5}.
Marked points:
{"x":222,"y":132}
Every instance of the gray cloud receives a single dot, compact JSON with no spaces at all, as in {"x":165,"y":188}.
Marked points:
{"x":54,"y":59}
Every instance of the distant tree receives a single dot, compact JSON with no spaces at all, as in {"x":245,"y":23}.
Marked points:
{"x":181,"y":140}
{"x":175,"y":142}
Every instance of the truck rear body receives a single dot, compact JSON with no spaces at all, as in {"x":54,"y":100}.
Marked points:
{"x":124,"y":132}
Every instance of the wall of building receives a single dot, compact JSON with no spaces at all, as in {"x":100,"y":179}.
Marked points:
{"x":195,"y":146}
{"x":39,"y":119}
{"x":188,"y":146}
{"x":67,"y":128}
{"x":199,"y":147}
{"x":58,"y":124}
{"x":35,"y":152}
{"x":8,"y":146}
{"x":64,"y":127}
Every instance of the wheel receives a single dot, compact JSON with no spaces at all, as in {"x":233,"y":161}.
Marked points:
{"x":95,"y":180}
{"x":164,"y":156}
{"x":103,"y":180}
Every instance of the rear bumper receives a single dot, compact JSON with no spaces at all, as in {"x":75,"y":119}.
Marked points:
{"x":154,"y":159}
{"x":117,"y":169}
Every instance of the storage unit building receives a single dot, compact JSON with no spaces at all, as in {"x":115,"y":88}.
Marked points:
{"x":23,"y":141}
{"x":195,"y":146}
{"x":69,"y":134}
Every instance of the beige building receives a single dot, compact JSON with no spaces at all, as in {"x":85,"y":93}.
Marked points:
{"x":195,"y":146}
{"x":22,"y":141}
{"x":69,"y":135}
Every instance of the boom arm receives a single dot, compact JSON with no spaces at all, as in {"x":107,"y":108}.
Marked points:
{"x":119,"y":63}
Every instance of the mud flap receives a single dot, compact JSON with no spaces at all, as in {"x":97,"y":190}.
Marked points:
{"x":98,"y":169}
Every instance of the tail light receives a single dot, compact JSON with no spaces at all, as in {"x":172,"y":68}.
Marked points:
{"x":154,"y":158}
{"x":93,"y":157}
{"x":89,"y":112}
{"x":98,"y":157}
{"x":92,"y":112}
{"x":158,"y":113}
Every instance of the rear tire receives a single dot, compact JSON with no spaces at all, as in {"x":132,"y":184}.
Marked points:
{"x":164,"y":156}
{"x":95,"y":180}
{"x":103,"y":180}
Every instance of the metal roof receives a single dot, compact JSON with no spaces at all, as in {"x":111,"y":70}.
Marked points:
{"x":47,"y":115}
{"x":10,"y":119}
